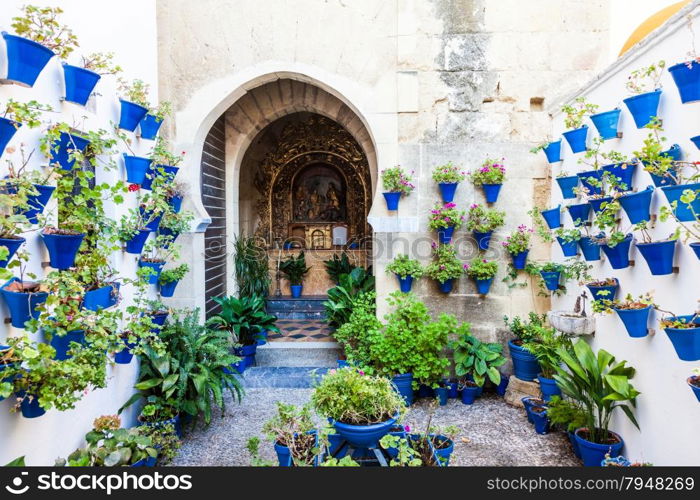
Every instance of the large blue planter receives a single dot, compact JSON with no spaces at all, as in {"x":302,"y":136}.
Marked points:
{"x":591,"y":174}
{"x":445,"y":234}
{"x":102,"y":297}
{"x":483,"y":239}
{"x":62,"y":344}
{"x":80,"y":83}
{"x":520,"y":259}
{"x":618,"y":256}
{"x":540,"y":419}
{"x":549,"y":387}
{"x":296,"y":290}
{"x":687,"y":79}
{"x":567,"y":185}
{"x":149,"y":126}
{"x":8,"y":128}
{"x":553,"y":151}
{"x":579,"y":213}
{"x":491,"y":192}
{"x":683,"y":211}
{"x":597,"y":203}
{"x":624,"y":173}
{"x":552,"y":217}
{"x":136,"y":168}
{"x":635,"y":321}
{"x":30,"y":409}
{"x":363,"y":436}
{"x":38,"y":202}
{"x":404,"y":386}
{"x":643,"y":107}
{"x":696,"y":249}
{"x":445,"y":286}
{"x":22,"y":306}
{"x":593,"y":454}
{"x":568,"y":248}
{"x":25,"y":59}
{"x":168,"y":289}
{"x":659,"y":256}
{"x":405,"y":283}
{"x":392,"y":200}
{"x":247,"y":352}
{"x":483,"y":286}
{"x":551,"y":279}
{"x":61,"y":149}
{"x":156,"y":266}
{"x":686,"y":341}
{"x":611,"y":291}
{"x":606,"y":123}
{"x":136,"y":243}
{"x":589,"y":248}
{"x":637,"y":205}
{"x":577,"y":138}
{"x":130,"y":115}
{"x":694,"y":384}
{"x":62,"y":248}
{"x":12,"y":246}
{"x":447,"y":191}
{"x":175,"y":203}
{"x":525,"y":364}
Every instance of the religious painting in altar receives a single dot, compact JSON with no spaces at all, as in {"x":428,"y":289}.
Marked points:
{"x":319,"y":195}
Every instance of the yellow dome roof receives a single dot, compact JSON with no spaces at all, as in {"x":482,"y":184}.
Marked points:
{"x":651,"y":24}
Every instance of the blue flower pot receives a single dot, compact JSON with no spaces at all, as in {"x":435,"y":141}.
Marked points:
{"x":62,"y":344}
{"x":483,"y":239}
{"x":540,"y":419}
{"x":425,"y":391}
{"x":491,"y":192}
{"x":248,"y":352}
{"x":124,"y":356}
{"x":166,"y":172}
{"x":469,"y":394}
{"x":343,"y":363}
{"x":153,"y":225}
{"x":579,"y":213}
{"x":149,"y":126}
{"x":168,"y":289}
{"x":568,"y":248}
{"x":676,"y":154}
{"x":284,"y":456}
{"x":567,"y":185}
{"x":405,"y":283}
{"x":577,"y":138}
{"x":156,"y":266}
{"x":502,"y":385}
{"x":552,"y":217}
{"x":637,"y":205}
{"x":136,"y":243}
{"x":574,"y":444}
{"x":635,"y":321}
{"x":404,"y":386}
{"x":659,"y":256}
{"x":296,"y":290}
{"x":584,"y":177}
{"x":392,"y":200}
{"x":525,"y":364}
{"x":130,"y":115}
{"x":483,"y":286}
{"x":528,"y":403}
{"x":136,"y":168}
{"x":683,"y":211}
{"x":618,"y":256}
{"x":687,"y":79}
{"x":624,"y":173}
{"x":611,"y":291}
{"x":695,"y":140}
{"x":447,"y":191}
{"x":597,"y":203}
{"x":172,"y":236}
{"x":38,"y":202}
{"x":694,"y":384}
{"x":80,"y":83}
{"x":606,"y":123}
{"x":453,"y":390}
{"x":643,"y":107}
{"x":175,"y":203}
{"x":62,"y":249}
{"x":589,"y":248}
{"x":158,"y":321}
{"x":101,"y":298}
{"x":441,"y":394}
{"x":549,"y":387}
{"x":446,"y":286}
{"x":363,"y":436}
{"x":30,"y":409}
{"x":551,"y":279}
{"x":593,"y":454}
{"x":61,"y":149}
{"x":520,"y":259}
{"x":553,"y":151}
{"x":696,"y":249}
{"x":8,"y":128}
{"x":445,"y":234}
{"x":25,"y":59}
{"x":686,"y":341}
{"x":12,"y":246}
{"x":22,"y":306}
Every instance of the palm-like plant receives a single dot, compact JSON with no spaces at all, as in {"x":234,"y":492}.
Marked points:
{"x":244,"y":318}
{"x":545,"y":347}
{"x":476,"y":358}
{"x":337,"y":266}
{"x":600,"y":383}
{"x":251,"y":268}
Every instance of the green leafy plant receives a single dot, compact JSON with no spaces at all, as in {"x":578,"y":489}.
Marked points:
{"x":101,"y":63}
{"x":404,"y":266}
{"x":545,"y":346}
{"x":396,"y":180}
{"x":687,"y":230}
{"x":245,"y":319}
{"x":445,"y":264}
{"x":135,"y":91}
{"x":567,"y":413}
{"x":335,"y":266}
{"x":628,"y":303}
{"x":519,"y":240}
{"x":294,"y":268}
{"x":164,"y":439}
{"x":448,"y":174}
{"x":162,"y":111}
{"x":491,"y":172}
{"x":341,"y":298}
{"x":174,"y":274}
{"x":483,"y":220}
{"x":475,"y":358}
{"x":406,"y":455}
{"x":355,"y":334}
{"x":526,"y":331}
{"x":291,"y":426}
{"x":577,"y":111}
{"x":571,"y":269}
{"x":251,"y":267}
{"x":646,"y":79}
{"x":567,"y":235}
{"x":346,"y":461}
{"x":161,"y":155}
{"x":28,"y":113}
{"x":41,"y":24}
{"x":445,"y":215}
{"x":481,"y":269}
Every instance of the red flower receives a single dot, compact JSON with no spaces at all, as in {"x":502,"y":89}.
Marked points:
{"x":134,"y":187}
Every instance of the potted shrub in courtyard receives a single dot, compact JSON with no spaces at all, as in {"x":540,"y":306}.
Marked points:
{"x":634,"y":313}
{"x":23,"y":296}
{"x":482,"y":272}
{"x":397,"y":183}
{"x":568,"y":241}
{"x":490,"y":177}
{"x":445,"y":219}
{"x":555,"y":275}
{"x":406,"y":270}
{"x":568,"y":414}
{"x":645,"y":85}
{"x":662,"y":164}
{"x":684,"y":333}
{"x":525,"y":364}
{"x":448,"y":177}
{"x":294,"y":269}
{"x":292,"y":432}
{"x":546,"y":347}
{"x":604,"y":288}
{"x":517,"y":244}
{"x":169,"y":279}
{"x":482,"y":222}
{"x":445,"y":266}
{"x":475,"y":362}
{"x":575,"y":113}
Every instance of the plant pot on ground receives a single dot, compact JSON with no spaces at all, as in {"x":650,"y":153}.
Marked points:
{"x":525,"y":364}
{"x":475,"y":360}
{"x":293,"y":435}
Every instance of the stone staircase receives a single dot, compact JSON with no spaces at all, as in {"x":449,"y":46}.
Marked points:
{"x":305,"y":307}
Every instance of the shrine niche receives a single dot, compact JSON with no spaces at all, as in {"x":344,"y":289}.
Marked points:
{"x":319,"y":195}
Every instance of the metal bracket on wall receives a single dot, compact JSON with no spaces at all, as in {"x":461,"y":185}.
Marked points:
{"x":44,"y":265}
{"x":7,"y":321}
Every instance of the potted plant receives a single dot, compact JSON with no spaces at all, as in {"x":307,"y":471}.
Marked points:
{"x":294,"y":268}
{"x":684,"y":333}
{"x":554,"y":275}
{"x":482,"y":272}
{"x":39,"y":36}
{"x":689,"y":231}
{"x":568,"y":414}
{"x":64,"y":146}
{"x":552,"y":217}
{"x":445,"y":266}
{"x":694,"y":383}
{"x":448,"y":177}
{"x":397,"y":183}
{"x":590,"y":246}
{"x":634,"y":313}
{"x":134,"y":103}
{"x":23,"y":296}
{"x":552,"y":150}
{"x":173,"y":225}
{"x":15,"y":115}
{"x":25,"y":192}
{"x":601,"y":384}
{"x":686,"y":74}
{"x":525,"y":364}
{"x":579,"y":212}
{"x":545,"y":346}
{"x":606,"y":123}
{"x":490,"y":177}
{"x":293,"y":433}
{"x":474,"y":362}
{"x":482,"y":222}
{"x":568,"y":241}
{"x":517,"y":244}
{"x":150,"y":124}
{"x":134,"y":228}
{"x":575,"y":113}
{"x":164,"y":166}
{"x":405,"y":269}
{"x":645,"y":85}
{"x":445,"y":219}
{"x":169,"y":279}
{"x":175,"y":194}
{"x":156,"y":253}
{"x":662,"y":164}
{"x":657,"y":254}
{"x":615,"y":244}
{"x":567,"y":184}
{"x":81,"y":80}
{"x":605,"y":288}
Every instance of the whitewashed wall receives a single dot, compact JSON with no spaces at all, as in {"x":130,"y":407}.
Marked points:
{"x":667,"y":409}
{"x":127,"y":28}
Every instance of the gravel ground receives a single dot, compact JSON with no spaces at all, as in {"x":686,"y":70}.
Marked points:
{"x":492,"y":433}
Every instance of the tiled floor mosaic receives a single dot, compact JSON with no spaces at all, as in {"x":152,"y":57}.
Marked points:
{"x":301,"y":330}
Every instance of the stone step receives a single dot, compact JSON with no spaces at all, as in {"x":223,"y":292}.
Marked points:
{"x":518,"y":389}
{"x":293,"y":377}
{"x":298,"y":354}
{"x":305,"y":307}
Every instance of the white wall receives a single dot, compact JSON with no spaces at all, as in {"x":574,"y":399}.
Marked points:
{"x":667,"y":409}
{"x":127,"y":28}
